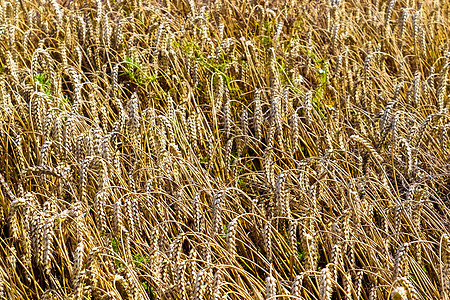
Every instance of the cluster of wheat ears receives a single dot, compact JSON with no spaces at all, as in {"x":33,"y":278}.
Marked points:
{"x":233,"y":149}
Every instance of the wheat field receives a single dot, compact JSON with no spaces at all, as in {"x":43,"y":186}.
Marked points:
{"x":229,"y":149}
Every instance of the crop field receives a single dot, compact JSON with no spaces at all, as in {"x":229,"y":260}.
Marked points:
{"x":228,"y":149}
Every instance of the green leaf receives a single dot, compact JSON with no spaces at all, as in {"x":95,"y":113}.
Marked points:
{"x":42,"y":79}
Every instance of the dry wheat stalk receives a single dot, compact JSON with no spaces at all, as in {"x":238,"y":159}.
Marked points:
{"x":97,"y":100}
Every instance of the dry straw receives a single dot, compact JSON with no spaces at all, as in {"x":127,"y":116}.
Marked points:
{"x":183,"y":150}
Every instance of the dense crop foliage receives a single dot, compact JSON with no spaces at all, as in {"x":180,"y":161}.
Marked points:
{"x":229,"y":149}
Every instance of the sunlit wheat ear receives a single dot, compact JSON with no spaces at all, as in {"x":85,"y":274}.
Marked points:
{"x":106,"y":32}
{"x":59,"y":12}
{"x":307,"y":105}
{"x":92,"y":272}
{"x":3,"y":285}
{"x":26,"y":40}
{"x":398,"y":220}
{"x":192,"y":267}
{"x":312,"y":255}
{"x":297,"y":286}
{"x":358,"y":284}
{"x":37,"y":235}
{"x":117,"y":163}
{"x":217,"y":290}
{"x":281,"y":195}
{"x":5,"y":187}
{"x":442,"y":87}
{"x":219,"y":89}
{"x":45,"y":152}
{"x":399,"y":293}
{"x":154,"y":246}
{"x":267,"y":239}
{"x":419,"y":33}
{"x":195,"y":74}
{"x":180,"y":279}
{"x":258,"y":116}
{"x":117,"y":218}
{"x":78,"y":99}
{"x":136,"y":214}
{"x":12,"y":64}
{"x":269,"y":175}
{"x":392,"y":104}
{"x":48,"y":245}
{"x":410,"y":158}
{"x":129,"y":216}
{"x":200,"y":285}
{"x":175,"y":248}
{"x":418,"y":134}
{"x":368,"y":147}
{"x":133,"y":113}
{"x":120,"y":281}
{"x":430,"y":79}
{"x":294,"y":131}
{"x":411,"y":290}
{"x":198,"y":213}
{"x":367,"y":69}
{"x":326,"y":284}
{"x":227,"y":154}
{"x":388,"y":14}
{"x":216,"y":214}
{"x":37,"y":111}
{"x":276,"y":37}
{"x":401,"y":262}
{"x":5,"y":99}
{"x":402,"y":23}
{"x":164,"y":276}
{"x":336,"y":260}
{"x":11,"y":258}
{"x":445,"y":267}
{"x":271,"y":288}
{"x":416,"y":88}
{"x":276,"y":120}
{"x":193,"y":134}
{"x":227,"y":114}
{"x":244,"y":131}
{"x":126,"y":245}
{"x":84,"y":179}
{"x":292,"y":235}
{"x":347,"y":285}
{"x":231,"y":237}
{"x":100,"y":202}
{"x":13,"y":222}
{"x":48,"y":124}
{"x":335,"y":37}
{"x":275,"y":81}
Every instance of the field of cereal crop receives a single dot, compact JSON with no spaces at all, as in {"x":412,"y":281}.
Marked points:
{"x":228,"y":149}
